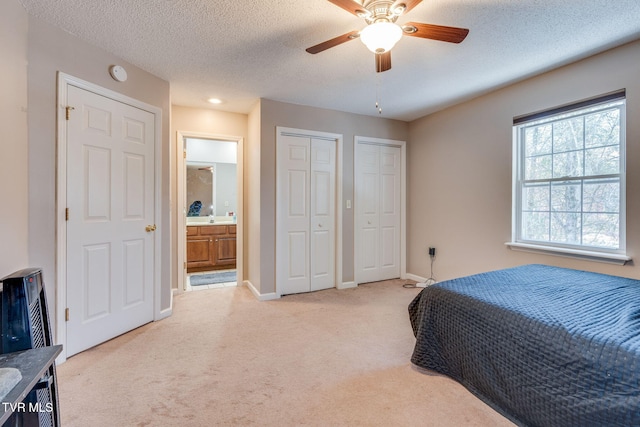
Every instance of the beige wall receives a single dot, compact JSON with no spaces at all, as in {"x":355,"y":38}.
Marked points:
{"x":272,"y":114}
{"x":459,"y":159}
{"x":14,"y":186}
{"x":252,"y":199}
{"x":199,"y":120}
{"x":52,"y":50}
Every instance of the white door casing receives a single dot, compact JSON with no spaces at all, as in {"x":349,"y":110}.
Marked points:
{"x":181,"y":204}
{"x":379,"y":216}
{"x":108,"y":269}
{"x":305,"y":213}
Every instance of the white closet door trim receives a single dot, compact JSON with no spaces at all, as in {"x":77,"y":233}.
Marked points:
{"x":362,"y":140}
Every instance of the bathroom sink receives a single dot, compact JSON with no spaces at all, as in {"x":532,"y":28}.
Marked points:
{"x":205,"y":220}
{"x":198,"y":220}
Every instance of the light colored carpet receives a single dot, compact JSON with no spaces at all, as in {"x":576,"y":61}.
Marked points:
{"x":328,"y":358}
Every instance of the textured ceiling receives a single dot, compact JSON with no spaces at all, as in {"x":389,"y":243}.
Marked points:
{"x":242,"y":50}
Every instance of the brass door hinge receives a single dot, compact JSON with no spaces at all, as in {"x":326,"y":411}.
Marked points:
{"x":68,"y":111}
{"x":184,"y":154}
{"x":185,"y":266}
{"x":66,"y":214}
{"x":66,"y":314}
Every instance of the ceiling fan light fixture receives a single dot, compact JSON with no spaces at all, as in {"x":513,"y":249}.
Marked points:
{"x":381,"y":37}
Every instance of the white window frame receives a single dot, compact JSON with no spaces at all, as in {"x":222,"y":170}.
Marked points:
{"x":617,"y":255}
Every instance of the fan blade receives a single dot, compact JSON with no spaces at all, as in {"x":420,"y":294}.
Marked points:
{"x":383,"y":62}
{"x":351,"y":7}
{"x":333,"y":42}
{"x":408,"y":4}
{"x":435,"y":32}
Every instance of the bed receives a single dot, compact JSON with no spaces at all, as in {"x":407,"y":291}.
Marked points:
{"x":544,"y":346}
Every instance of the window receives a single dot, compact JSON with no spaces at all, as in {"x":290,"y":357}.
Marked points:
{"x":569,"y":181}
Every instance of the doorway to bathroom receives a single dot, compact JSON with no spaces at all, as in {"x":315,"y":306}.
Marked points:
{"x":210,"y":192}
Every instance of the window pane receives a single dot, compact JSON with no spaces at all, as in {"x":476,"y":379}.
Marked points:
{"x":568,"y":135}
{"x":535,"y":198}
{"x":538,"y":167}
{"x":537,"y":140}
{"x":566,"y":197}
{"x":535,"y":226}
{"x":602,"y":128}
{"x":602,"y":161}
{"x":601,"y":230}
{"x":601,"y":196}
{"x":566,"y":228}
{"x":569,"y":171}
{"x":567,"y":164}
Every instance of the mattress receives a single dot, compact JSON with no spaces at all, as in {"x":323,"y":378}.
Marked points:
{"x":545,"y":346}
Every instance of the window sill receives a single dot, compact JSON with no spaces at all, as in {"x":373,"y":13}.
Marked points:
{"x":611,"y":258}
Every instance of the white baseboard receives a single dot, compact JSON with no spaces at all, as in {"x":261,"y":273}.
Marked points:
{"x":258,"y":295}
{"x":416,"y":278}
{"x":346,"y":285}
{"x":167,"y":312}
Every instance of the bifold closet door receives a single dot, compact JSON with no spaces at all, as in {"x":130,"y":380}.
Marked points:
{"x":378,"y":219}
{"x":305,"y":214}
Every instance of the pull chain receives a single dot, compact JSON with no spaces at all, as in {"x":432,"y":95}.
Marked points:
{"x":378,"y":100}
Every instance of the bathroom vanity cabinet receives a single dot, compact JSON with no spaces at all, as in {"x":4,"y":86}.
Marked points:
{"x":211,"y":247}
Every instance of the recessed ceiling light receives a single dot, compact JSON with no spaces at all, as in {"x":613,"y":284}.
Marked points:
{"x":215,"y":100}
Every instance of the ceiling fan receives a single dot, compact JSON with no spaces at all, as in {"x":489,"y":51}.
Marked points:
{"x":382,"y":33}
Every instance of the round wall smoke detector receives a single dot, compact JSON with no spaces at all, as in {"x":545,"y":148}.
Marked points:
{"x":118,"y":73}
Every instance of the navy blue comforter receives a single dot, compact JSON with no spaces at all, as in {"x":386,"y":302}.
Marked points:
{"x":545,"y":346}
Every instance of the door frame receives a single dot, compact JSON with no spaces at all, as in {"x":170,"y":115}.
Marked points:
{"x":357,"y":140}
{"x":281,"y":130}
{"x":181,"y":202}
{"x":64,"y":81}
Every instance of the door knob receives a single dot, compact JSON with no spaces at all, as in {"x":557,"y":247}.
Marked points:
{"x":150,"y":228}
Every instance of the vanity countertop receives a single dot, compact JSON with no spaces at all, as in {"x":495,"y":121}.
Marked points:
{"x":205,"y":224}
{"x":205,"y":220}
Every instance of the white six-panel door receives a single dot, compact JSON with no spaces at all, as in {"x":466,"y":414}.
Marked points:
{"x":110,"y":196}
{"x":323,"y":207}
{"x":378,"y":218}
{"x":305,"y":214}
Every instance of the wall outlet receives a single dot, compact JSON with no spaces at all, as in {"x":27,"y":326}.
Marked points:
{"x":432,"y":251}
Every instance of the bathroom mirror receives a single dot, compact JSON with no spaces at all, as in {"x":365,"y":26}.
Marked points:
{"x":212,"y":177}
{"x":200,"y":189}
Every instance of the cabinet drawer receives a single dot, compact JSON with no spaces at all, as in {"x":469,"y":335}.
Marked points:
{"x":213,"y":230}
{"x":232,"y":229}
{"x":192,"y":231}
